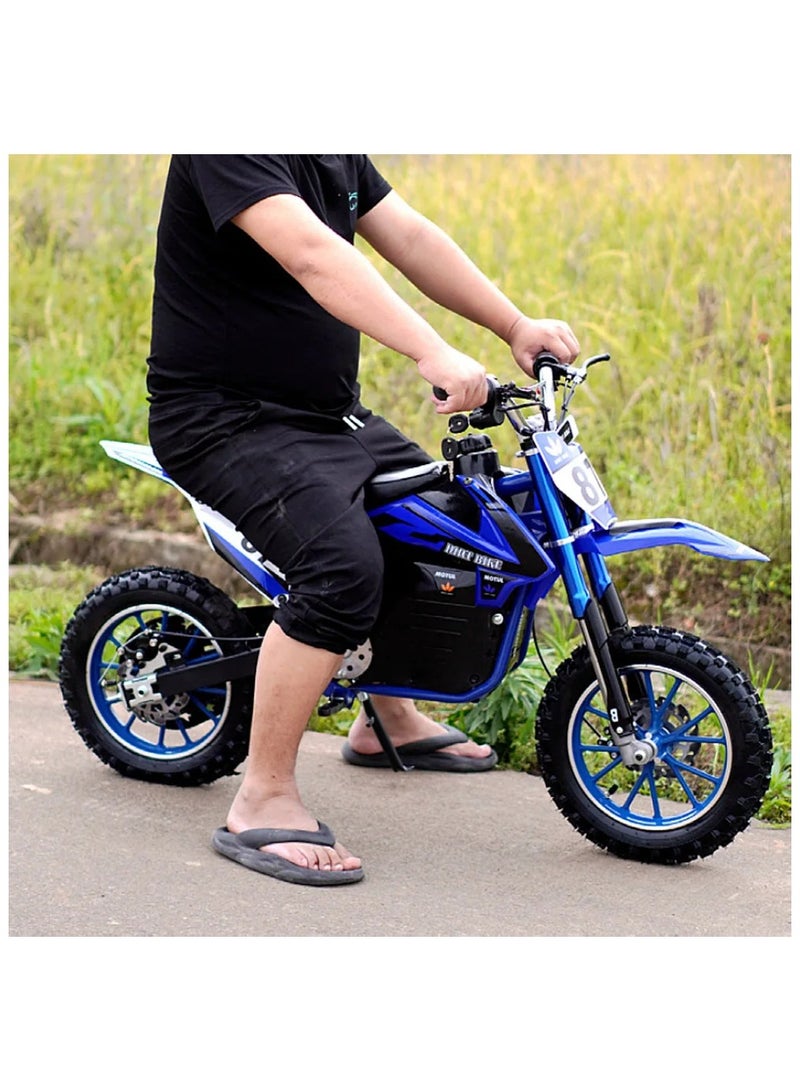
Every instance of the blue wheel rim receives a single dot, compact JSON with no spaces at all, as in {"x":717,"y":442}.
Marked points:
{"x":186,"y":724}
{"x":692,"y":765}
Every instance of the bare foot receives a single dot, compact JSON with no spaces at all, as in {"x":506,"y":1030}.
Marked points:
{"x":288,"y":813}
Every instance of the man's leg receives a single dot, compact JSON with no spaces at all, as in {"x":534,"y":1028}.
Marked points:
{"x":403,"y":722}
{"x":290,"y":678}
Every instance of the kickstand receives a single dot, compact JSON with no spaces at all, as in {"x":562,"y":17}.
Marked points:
{"x":373,"y":720}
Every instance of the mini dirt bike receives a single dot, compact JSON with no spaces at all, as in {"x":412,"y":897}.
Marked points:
{"x":653,"y":744}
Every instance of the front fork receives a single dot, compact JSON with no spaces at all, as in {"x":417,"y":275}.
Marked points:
{"x":603,"y":614}
{"x":597,"y":608}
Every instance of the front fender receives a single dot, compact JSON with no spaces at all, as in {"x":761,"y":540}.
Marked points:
{"x":628,"y":536}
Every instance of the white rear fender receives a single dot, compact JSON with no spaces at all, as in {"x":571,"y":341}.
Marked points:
{"x":138,"y":455}
{"x":220,"y":533}
{"x":141,"y":457}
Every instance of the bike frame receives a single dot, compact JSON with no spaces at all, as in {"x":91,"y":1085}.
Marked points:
{"x":548,"y":522}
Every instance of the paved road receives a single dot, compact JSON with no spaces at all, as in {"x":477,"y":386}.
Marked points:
{"x":94,"y":854}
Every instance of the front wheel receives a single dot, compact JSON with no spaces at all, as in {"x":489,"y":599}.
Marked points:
{"x":711,"y":731}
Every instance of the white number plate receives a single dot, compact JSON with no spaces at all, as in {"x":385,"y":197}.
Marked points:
{"x":574,"y":476}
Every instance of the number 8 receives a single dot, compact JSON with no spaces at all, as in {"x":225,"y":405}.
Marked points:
{"x":584,"y":478}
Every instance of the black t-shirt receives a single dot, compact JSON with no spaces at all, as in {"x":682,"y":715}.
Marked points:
{"x":226,"y":316}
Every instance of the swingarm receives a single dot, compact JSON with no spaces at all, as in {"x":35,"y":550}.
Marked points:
{"x":169,"y":681}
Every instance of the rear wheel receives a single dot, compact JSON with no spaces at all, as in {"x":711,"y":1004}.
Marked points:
{"x":713,"y":741}
{"x":136,"y":623}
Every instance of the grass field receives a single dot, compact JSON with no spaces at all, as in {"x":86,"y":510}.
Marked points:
{"x":678,"y":266}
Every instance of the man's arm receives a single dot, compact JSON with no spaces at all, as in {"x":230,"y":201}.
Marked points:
{"x":439,"y":268}
{"x":349,"y":287}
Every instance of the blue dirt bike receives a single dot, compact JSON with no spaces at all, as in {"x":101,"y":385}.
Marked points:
{"x":653,"y":744}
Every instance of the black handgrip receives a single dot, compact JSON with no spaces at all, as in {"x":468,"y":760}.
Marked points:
{"x":546,"y":359}
{"x":488,"y":415}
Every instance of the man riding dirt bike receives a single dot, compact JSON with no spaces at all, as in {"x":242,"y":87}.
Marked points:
{"x":255,"y":415}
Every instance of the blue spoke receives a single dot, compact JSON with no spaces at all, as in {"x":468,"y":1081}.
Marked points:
{"x":678,"y":682}
{"x":206,"y":712}
{"x":676,"y":764}
{"x":651,"y":780}
{"x":173,"y":725}
{"x":690,"y":796}
{"x":605,"y":770}
{"x":157,"y":625}
{"x":695,"y":720}
{"x":682,"y":735}
{"x":634,"y":791}
{"x":647,"y":678}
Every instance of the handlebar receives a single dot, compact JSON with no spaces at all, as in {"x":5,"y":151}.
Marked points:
{"x":549,"y":372}
{"x":564,"y":371}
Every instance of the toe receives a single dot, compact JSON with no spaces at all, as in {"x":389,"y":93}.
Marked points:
{"x":471,"y":749}
{"x":328,"y":860}
{"x":347,"y":860}
{"x":296,"y":853}
{"x":315,"y":857}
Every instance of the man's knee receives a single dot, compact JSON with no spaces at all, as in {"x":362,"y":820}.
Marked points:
{"x":337,"y":607}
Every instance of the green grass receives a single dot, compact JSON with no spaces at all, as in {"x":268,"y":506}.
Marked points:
{"x":777,"y":806}
{"x":40,"y":602}
{"x":679,"y":266}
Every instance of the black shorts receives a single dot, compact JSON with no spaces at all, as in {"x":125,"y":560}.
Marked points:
{"x":295,"y":488}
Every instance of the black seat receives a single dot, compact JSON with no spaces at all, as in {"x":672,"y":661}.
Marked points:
{"x":385,"y":487}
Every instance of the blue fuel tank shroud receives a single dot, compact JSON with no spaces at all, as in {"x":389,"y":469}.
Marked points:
{"x":501,"y":542}
{"x":505,"y":554}
{"x":415,"y":520}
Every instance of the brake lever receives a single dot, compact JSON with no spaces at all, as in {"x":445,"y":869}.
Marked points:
{"x":580,"y":375}
{"x":575,"y":377}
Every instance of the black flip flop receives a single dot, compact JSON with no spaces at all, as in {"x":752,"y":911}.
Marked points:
{"x":426,"y":754}
{"x":245,"y":849}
